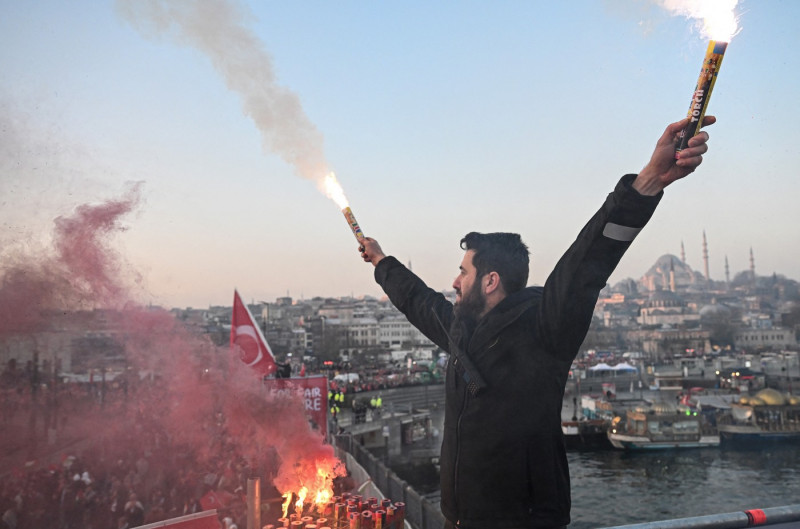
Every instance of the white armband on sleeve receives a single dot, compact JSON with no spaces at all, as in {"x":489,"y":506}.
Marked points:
{"x":620,"y":233}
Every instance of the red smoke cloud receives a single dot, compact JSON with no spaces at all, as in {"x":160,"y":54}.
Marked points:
{"x":79,"y":242}
{"x":179,"y":388}
{"x":82,"y":272}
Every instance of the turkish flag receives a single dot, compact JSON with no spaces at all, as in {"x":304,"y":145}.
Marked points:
{"x":247,"y":340}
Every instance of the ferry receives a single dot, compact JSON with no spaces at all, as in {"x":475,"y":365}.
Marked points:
{"x":767,"y":417}
{"x":662,"y":426}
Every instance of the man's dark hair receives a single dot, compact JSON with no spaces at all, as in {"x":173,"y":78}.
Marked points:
{"x":504,"y":253}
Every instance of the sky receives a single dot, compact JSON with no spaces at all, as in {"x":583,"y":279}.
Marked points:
{"x":438,"y":118}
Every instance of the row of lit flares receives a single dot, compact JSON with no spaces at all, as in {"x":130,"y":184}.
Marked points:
{"x":348,"y":511}
{"x":321,"y":498}
{"x":322,"y":491}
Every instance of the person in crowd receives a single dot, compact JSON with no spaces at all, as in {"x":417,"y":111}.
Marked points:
{"x":134,"y":511}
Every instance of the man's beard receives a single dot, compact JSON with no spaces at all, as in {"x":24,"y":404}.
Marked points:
{"x":472,"y":304}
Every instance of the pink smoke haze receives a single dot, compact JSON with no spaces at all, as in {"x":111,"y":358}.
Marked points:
{"x":197,"y":416}
{"x":81,"y":273}
{"x":79,"y":243}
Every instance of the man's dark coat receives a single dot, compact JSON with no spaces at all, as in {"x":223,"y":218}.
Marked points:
{"x":503,"y":461}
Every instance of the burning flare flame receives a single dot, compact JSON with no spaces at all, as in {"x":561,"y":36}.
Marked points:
{"x":301,"y":498}
{"x":321,"y":490}
{"x":333,"y":190}
{"x":716,"y":18}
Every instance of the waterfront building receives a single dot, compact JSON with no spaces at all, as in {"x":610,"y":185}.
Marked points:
{"x":666,"y":308}
{"x":396,"y":332}
{"x":766,"y":338}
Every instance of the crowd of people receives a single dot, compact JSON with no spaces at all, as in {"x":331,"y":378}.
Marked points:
{"x":97,"y":455}
{"x":108,"y":463}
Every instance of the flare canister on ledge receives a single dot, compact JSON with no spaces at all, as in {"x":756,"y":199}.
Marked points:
{"x":702,"y":92}
{"x":351,"y":220}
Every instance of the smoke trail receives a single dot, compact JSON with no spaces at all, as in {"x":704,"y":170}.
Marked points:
{"x":216,"y":27}
{"x":177,"y":382}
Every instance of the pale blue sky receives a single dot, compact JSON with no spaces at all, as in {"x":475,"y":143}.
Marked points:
{"x":439,"y":118}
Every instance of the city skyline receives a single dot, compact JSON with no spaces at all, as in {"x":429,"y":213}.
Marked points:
{"x":697,"y":270}
{"x":438,"y":120}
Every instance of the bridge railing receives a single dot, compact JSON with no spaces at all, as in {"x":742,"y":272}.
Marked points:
{"x":783,"y":517}
{"x":420,"y":512}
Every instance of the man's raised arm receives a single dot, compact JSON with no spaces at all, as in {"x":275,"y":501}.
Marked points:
{"x":571,"y":290}
{"x":667,"y":166}
{"x":371,"y":251}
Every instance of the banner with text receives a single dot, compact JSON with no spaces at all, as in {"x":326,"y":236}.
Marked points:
{"x":314,"y":392}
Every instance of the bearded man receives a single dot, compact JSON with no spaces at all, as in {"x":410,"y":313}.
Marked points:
{"x":503,"y":460}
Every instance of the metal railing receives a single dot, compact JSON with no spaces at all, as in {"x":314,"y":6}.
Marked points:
{"x":786,"y":517}
{"x":420,"y":512}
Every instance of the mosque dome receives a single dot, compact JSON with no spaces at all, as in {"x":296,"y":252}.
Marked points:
{"x":715,"y":310}
{"x":770,"y":397}
{"x":663,"y":299}
{"x":667,"y":267}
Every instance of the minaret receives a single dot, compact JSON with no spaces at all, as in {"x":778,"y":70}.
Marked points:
{"x":727,"y":271}
{"x":705,"y":256}
{"x":671,"y":275}
{"x":683,"y":253}
{"x":752,"y":265}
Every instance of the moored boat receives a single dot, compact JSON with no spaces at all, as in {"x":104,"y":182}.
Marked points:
{"x":662,"y":426}
{"x":586,"y":434}
{"x":767,"y":417}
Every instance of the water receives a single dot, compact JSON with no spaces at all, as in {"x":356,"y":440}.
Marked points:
{"x":615,"y":488}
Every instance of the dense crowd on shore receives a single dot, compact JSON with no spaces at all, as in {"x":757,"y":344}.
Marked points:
{"x":95,"y":456}
{"x":62,"y":472}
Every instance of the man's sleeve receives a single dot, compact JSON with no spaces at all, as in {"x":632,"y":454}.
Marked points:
{"x":427,"y":310}
{"x":571,"y":291}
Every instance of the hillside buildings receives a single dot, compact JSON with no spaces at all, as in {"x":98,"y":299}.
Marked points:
{"x":671,"y":311}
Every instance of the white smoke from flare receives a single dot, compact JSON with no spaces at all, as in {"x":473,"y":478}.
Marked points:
{"x":216,"y":28}
{"x":716,"y":19}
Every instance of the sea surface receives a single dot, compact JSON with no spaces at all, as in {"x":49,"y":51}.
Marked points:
{"x":616,"y":488}
{"x":611,"y":488}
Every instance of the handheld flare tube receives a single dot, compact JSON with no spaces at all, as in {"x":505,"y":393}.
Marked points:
{"x":351,"y":220}
{"x":702,"y":92}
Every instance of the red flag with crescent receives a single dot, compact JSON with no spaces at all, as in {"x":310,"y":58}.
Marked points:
{"x":247,"y":340}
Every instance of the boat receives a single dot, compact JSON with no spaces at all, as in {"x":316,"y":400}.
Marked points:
{"x":663,"y":426}
{"x":588,"y":431}
{"x":767,"y":417}
{"x":585,"y":434}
